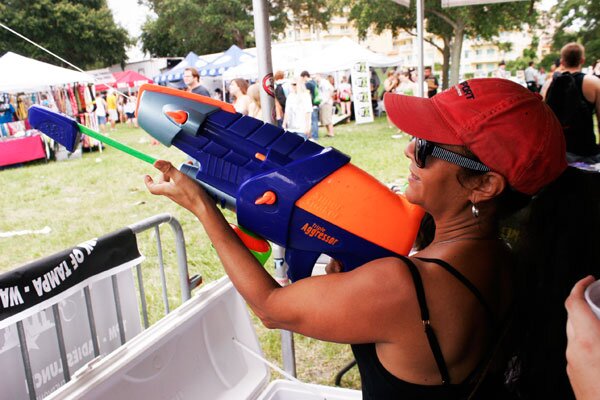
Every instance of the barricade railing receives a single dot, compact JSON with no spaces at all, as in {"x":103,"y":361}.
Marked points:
{"x":60,"y":302}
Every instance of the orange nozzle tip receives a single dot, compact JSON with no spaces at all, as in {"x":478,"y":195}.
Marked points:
{"x":178,"y":116}
{"x":267,"y":198}
{"x":260,"y":156}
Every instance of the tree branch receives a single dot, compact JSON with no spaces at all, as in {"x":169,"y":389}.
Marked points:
{"x":443,"y":16}
{"x":431,"y":42}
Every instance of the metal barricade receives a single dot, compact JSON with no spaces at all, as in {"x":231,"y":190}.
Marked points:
{"x":186,"y":285}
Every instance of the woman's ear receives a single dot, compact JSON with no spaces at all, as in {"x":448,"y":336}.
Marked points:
{"x":489,"y":186}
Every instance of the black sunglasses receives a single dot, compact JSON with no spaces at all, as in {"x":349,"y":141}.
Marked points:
{"x":423,"y":148}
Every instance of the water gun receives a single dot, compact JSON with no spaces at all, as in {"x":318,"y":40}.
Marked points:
{"x":67,"y":132}
{"x":306,"y":198}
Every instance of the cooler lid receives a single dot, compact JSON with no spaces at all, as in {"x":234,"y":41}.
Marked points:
{"x":189,"y":354}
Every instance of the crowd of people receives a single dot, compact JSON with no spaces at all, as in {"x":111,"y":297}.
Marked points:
{"x":302,"y":104}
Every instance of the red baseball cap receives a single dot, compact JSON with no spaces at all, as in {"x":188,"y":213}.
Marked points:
{"x":509,"y":128}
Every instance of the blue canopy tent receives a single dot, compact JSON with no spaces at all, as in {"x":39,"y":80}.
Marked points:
{"x":176,"y":73}
{"x":234,"y":56}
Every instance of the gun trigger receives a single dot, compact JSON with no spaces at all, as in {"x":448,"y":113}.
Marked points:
{"x":267,"y":198}
{"x":179,"y":117}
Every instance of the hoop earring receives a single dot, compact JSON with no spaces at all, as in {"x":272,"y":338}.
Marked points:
{"x":475,"y":211}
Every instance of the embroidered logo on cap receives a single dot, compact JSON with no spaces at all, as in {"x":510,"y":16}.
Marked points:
{"x":467,"y":89}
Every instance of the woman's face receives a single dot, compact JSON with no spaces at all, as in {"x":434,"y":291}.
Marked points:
{"x":436,"y":186}
{"x":234,"y":88}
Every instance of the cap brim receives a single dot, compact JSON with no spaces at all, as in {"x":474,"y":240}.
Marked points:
{"x":419,"y":117}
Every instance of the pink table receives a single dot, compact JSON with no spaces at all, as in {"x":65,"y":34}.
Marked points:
{"x":20,"y":150}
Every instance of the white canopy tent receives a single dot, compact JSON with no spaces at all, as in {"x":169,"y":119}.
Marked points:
{"x":22,"y":74}
{"x":342,"y":55}
{"x":318,"y":58}
{"x":285,"y":57}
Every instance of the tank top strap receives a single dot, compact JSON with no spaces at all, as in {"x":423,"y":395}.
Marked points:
{"x":431,"y":337}
{"x":467,"y":283}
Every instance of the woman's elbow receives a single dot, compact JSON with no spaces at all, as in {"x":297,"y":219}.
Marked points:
{"x":267,"y":320}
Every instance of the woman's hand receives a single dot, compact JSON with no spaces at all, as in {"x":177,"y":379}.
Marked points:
{"x":583,"y":346}
{"x":177,"y":186}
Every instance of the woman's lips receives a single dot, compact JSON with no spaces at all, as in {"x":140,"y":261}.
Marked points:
{"x":413,"y":177}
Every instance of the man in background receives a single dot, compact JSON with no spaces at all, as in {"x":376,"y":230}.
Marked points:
{"x":311,"y":85}
{"x":531,"y":77}
{"x":431,"y":81}
{"x":326,"y":106}
{"x":574,"y":97}
{"x":191,"y":78}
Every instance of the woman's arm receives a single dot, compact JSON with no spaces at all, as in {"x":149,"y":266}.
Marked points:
{"x":352,"y":307}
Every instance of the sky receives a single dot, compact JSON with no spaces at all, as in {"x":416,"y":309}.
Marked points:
{"x":129,"y":15}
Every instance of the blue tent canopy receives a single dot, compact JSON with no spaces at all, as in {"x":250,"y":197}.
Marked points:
{"x":176,"y":73}
{"x":234,"y":56}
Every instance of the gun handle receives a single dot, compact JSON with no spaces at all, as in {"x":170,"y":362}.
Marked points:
{"x":300,"y":263}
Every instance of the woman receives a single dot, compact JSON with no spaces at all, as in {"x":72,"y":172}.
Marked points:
{"x":254,"y":108}
{"x":458,"y":287}
{"x":238,"y":88}
{"x":298,"y":109}
{"x":345,"y":93}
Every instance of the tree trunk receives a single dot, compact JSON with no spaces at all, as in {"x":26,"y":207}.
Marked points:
{"x":446,"y":63}
{"x":459,"y":32}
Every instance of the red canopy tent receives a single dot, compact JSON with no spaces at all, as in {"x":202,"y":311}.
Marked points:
{"x":124,"y":80}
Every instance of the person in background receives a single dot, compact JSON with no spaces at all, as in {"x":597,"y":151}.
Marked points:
{"x":7,"y":111}
{"x":531,"y":77}
{"x":579,"y":129}
{"x":501,"y":71}
{"x":281,"y":92}
{"x":312,"y":87}
{"x":390,"y":84}
{"x":337,"y":106}
{"x":583,"y":346}
{"x":254,"y":107}
{"x":111,"y":109}
{"x":218,"y":94}
{"x":298,"y":110}
{"x":406,"y":86}
{"x":101,"y":111}
{"x":345,"y":91}
{"x":541,"y":77}
{"x":326,"y":107}
{"x":238,"y":88}
{"x":431,"y":81}
{"x":191,"y":78}
{"x":596,"y":69}
{"x":121,"y":100}
{"x":129,"y":109}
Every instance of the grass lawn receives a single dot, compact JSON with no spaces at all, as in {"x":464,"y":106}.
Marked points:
{"x":104,"y":191}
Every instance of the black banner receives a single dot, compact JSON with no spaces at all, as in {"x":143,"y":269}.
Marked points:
{"x":42,"y":280}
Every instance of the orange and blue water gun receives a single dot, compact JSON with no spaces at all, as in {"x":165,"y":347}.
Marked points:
{"x":293,"y":192}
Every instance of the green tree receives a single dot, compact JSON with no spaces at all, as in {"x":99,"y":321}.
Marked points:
{"x":579,"y":22}
{"x":452,"y":24}
{"x":208,"y":26}
{"x":82,"y":32}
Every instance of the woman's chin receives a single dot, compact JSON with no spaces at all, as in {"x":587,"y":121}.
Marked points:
{"x":411,"y":195}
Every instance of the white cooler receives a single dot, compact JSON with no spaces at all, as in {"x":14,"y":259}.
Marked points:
{"x":192,"y":354}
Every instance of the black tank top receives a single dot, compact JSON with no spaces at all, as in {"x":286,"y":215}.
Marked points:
{"x":378,"y":383}
{"x":580,"y":137}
